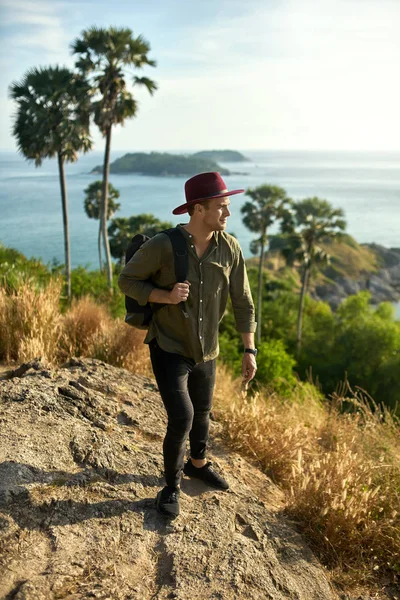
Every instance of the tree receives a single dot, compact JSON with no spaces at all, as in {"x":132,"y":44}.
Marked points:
{"x":122,"y":230}
{"x":92,"y":205}
{"x":52,"y":120}
{"x":268,"y":204}
{"x":104,"y":56}
{"x":310,"y":222}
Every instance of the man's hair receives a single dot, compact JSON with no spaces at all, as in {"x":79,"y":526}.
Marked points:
{"x":205,"y":203}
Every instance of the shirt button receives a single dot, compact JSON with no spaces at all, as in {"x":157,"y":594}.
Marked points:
{"x":200,"y":319}
{"x":201,"y":337}
{"x":201,"y":264}
{"x":201,"y":300}
{"x":192,"y":246}
{"x":201,"y":282}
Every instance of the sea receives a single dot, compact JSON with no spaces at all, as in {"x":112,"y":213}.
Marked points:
{"x":365,"y":185}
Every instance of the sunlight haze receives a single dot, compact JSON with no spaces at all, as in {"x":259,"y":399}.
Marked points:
{"x":295,"y":74}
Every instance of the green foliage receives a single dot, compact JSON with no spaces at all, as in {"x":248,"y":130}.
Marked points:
{"x":268,"y":204}
{"x":104,"y":56}
{"x":63,"y":130}
{"x":162,"y":163}
{"x":93,"y":200}
{"x":359,"y":342}
{"x":275,"y":366}
{"x":93,"y":283}
{"x":122,"y":230}
{"x":16,"y":269}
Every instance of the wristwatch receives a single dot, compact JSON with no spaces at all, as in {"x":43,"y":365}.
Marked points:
{"x":252,"y":351}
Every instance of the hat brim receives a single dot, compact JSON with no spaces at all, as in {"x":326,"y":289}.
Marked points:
{"x":183,"y":208}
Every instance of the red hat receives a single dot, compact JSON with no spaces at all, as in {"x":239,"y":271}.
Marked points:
{"x":204,"y":186}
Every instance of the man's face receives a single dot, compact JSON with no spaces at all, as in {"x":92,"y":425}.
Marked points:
{"x":217,"y":213}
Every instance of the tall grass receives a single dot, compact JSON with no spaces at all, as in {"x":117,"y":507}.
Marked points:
{"x":30,"y":322}
{"x":32,"y":326}
{"x":340,"y":470}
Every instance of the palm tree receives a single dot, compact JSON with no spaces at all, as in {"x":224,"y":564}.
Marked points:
{"x":52,"y":120}
{"x":122,"y":230}
{"x":92,"y":205}
{"x":310,"y":222}
{"x":104,"y":56}
{"x":268,"y":204}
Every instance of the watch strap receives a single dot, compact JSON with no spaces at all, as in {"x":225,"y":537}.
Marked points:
{"x":252,"y":351}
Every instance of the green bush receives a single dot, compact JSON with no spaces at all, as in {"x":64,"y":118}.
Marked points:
{"x":16,"y":269}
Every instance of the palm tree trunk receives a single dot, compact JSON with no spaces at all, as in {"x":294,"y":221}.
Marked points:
{"x":259,"y":296}
{"x":301,"y":307}
{"x":106,"y":171}
{"x":64,"y":202}
{"x":99,"y":246}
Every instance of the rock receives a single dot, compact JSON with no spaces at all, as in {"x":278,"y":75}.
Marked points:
{"x":77,"y":515}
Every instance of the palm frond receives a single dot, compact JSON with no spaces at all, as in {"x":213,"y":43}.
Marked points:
{"x":149,"y":84}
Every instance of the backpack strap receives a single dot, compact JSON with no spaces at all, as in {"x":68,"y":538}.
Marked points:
{"x":181,"y":260}
{"x":181,"y":257}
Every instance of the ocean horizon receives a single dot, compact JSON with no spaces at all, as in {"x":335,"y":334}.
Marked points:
{"x":365,"y":184}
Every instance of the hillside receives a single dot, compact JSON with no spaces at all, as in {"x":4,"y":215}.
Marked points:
{"x":353,"y":267}
{"x":80,"y":465}
{"x":222,"y":155}
{"x":162,"y":164}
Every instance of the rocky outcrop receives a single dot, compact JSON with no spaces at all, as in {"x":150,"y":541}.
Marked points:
{"x":80,"y":466}
{"x":384,"y":285}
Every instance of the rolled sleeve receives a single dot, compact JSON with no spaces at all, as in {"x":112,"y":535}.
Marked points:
{"x":240,"y":293}
{"x":135,"y":278}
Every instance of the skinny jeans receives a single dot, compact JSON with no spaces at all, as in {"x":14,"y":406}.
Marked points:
{"x":186,"y":389}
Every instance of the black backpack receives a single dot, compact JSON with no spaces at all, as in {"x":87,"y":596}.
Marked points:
{"x":140,"y":316}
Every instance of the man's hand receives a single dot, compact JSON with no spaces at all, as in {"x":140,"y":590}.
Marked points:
{"x":179,"y":293}
{"x":249,"y":367}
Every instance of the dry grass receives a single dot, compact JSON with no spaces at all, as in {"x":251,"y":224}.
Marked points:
{"x":122,"y":346}
{"x":341,"y":472}
{"x":30,"y":322}
{"x":32,"y":326}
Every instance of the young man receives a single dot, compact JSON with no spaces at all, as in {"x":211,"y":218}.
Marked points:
{"x":184,"y":343}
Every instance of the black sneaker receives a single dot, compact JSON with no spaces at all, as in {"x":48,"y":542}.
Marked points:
{"x":167,"y":501}
{"x":206,"y":474}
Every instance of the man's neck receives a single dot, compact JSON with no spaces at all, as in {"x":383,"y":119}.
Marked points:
{"x":200,"y":234}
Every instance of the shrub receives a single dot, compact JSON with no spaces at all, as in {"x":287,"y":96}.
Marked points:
{"x":81,"y":324}
{"x":30,"y":322}
{"x":341,"y":471}
{"x":275,"y":366}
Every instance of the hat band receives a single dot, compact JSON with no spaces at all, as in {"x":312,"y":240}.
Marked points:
{"x":207,"y":196}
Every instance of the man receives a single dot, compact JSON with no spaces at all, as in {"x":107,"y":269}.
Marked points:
{"x":184,"y":343}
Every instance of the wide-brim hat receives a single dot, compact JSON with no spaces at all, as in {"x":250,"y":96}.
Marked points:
{"x":204,"y":186}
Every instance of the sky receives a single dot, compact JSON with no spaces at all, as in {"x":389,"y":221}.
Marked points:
{"x":248,"y":74}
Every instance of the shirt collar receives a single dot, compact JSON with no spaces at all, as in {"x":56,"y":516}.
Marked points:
{"x":189,"y":236}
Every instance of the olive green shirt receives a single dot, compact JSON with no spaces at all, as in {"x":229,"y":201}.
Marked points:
{"x":220,"y":272}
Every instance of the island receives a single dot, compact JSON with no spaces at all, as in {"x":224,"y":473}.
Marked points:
{"x":162,"y":164}
{"x":222,"y":155}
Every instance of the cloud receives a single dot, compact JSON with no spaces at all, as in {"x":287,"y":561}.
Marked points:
{"x":37,"y":25}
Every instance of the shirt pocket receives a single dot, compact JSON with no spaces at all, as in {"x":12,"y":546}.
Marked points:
{"x":216,"y":277}
{"x":165,"y":277}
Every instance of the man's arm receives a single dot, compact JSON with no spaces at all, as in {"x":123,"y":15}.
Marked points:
{"x":240,"y":293}
{"x":243,"y":310}
{"x":134,"y":280}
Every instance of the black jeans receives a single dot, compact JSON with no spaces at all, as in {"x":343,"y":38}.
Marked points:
{"x":186,"y":389}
